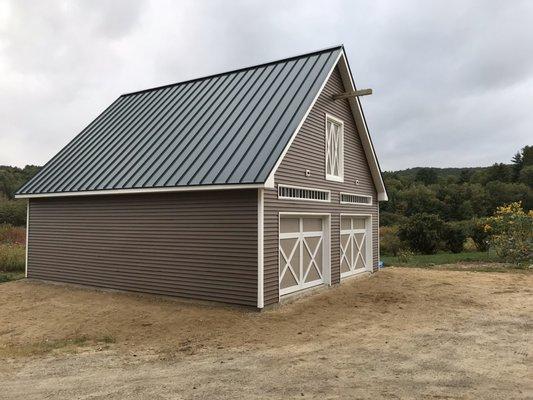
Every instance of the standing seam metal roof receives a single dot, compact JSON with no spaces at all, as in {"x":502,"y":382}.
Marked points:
{"x":228,"y":128}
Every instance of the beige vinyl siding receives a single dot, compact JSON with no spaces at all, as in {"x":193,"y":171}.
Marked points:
{"x":200,"y":245}
{"x":308,"y":152}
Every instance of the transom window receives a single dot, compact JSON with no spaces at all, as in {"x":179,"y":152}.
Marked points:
{"x":334,"y":149}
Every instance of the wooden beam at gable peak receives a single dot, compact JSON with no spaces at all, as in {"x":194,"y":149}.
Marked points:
{"x":352,"y":93}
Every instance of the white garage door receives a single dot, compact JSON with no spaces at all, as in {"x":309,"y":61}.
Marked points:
{"x":301,"y":253}
{"x":356,"y":245}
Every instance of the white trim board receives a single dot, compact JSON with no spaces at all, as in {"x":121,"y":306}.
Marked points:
{"x":145,"y":190}
{"x":260,"y":248}
{"x":27,"y":237}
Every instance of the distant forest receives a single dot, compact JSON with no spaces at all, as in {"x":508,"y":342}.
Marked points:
{"x":453,"y":194}
{"x":458,"y":194}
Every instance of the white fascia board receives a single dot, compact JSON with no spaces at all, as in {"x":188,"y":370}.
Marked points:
{"x":360,"y":123}
{"x":198,"y":188}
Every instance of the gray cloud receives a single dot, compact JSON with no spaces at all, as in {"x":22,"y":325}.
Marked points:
{"x":453,"y":80}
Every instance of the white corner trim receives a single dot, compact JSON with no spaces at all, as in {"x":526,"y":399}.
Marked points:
{"x":197,"y":188}
{"x":260,"y":248}
{"x":27,"y":237}
{"x":282,"y":156}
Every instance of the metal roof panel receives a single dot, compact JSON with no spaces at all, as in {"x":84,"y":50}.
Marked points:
{"x":224,"y":129}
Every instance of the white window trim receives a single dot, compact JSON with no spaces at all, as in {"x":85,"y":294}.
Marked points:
{"x":329,"y":177}
{"x":304,"y":188}
{"x":355,"y":194}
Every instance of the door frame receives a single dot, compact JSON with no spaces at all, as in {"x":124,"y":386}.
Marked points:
{"x":369,"y":244}
{"x":326,"y":249}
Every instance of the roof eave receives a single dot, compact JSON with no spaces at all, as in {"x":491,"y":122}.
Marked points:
{"x":198,"y":188}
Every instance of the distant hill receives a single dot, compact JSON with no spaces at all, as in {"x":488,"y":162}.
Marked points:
{"x":442,"y":173}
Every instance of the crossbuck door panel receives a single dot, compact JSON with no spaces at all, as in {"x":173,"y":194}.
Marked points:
{"x":301,"y":253}
{"x":355,"y":244}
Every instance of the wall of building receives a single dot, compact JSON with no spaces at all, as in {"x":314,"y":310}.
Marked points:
{"x":200,"y":245}
{"x":308,"y":152}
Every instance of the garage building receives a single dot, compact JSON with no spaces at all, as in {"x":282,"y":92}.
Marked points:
{"x":241,"y":187}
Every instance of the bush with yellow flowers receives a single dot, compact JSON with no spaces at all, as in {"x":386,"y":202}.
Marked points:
{"x":511,"y":234}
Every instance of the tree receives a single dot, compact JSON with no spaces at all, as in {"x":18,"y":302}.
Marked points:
{"x":500,"y":193}
{"x":522,"y":159}
{"x":465,"y":175}
{"x":527,"y":155}
{"x":526,"y":175}
{"x":427,"y":176}
{"x":422,"y":232}
{"x":418,"y":199}
{"x":498,"y":172}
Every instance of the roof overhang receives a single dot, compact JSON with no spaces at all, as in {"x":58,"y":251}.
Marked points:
{"x":197,"y":188}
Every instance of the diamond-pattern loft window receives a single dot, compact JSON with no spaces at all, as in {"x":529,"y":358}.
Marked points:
{"x":334,"y":149}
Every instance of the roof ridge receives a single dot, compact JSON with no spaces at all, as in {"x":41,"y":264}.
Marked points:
{"x":331,"y":48}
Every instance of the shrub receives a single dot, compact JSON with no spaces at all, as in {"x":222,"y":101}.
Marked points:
{"x":422,"y":232}
{"x":12,"y":235}
{"x":389,"y":242}
{"x":12,"y":257}
{"x":479,"y":234}
{"x":405,"y":255}
{"x":511,"y":233}
{"x":13,"y":212}
{"x":454,"y":236}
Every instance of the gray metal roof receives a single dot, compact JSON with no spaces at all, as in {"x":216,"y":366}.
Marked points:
{"x":228,"y":128}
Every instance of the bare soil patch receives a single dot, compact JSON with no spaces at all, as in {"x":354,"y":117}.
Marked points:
{"x":400,"y":333}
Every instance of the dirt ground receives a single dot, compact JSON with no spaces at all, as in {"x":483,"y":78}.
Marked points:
{"x":400,"y":333}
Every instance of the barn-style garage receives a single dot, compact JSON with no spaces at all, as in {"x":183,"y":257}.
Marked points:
{"x":241,"y":187}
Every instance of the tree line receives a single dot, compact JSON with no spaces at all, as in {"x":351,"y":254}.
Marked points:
{"x":458,"y":194}
{"x":12,"y":211}
{"x":433,"y":209}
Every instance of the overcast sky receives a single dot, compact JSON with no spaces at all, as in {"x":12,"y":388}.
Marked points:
{"x":452,"y":80}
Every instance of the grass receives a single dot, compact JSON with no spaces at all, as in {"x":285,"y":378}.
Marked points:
{"x":10,"y":276}
{"x":12,"y":257}
{"x":480,"y":262}
{"x":429,"y":260}
{"x":68,"y":345}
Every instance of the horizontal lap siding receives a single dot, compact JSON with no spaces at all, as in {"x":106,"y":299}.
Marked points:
{"x":308,"y":152}
{"x":200,"y":245}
